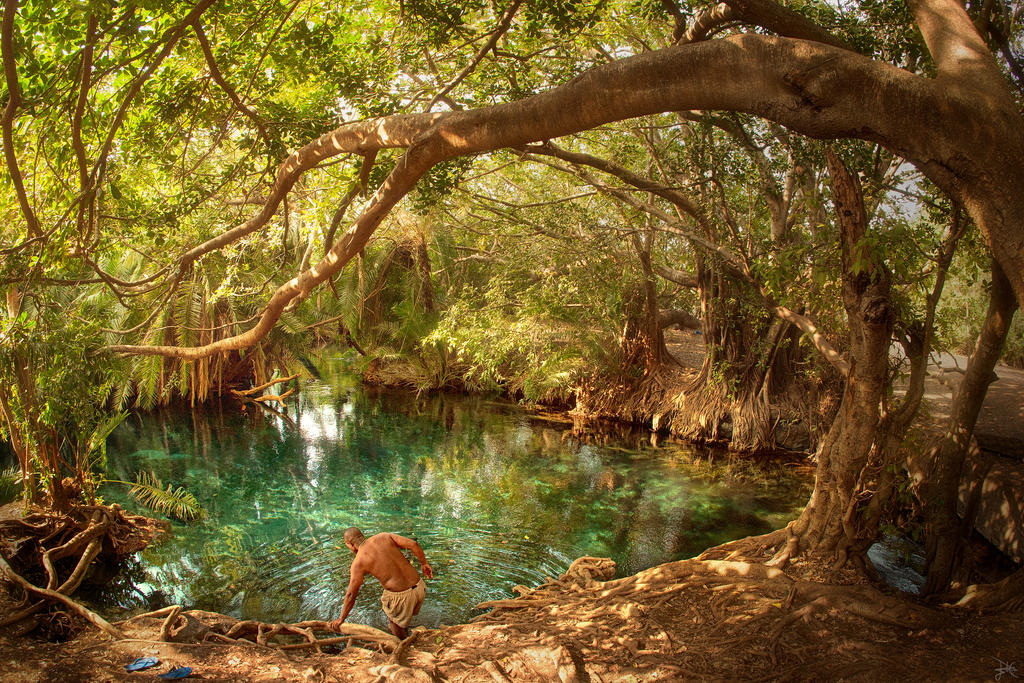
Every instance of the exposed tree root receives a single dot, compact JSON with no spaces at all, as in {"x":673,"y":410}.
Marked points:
{"x":197,"y":626}
{"x":751,"y":548}
{"x":1005,"y":596}
{"x":52,"y":540}
{"x":715,"y":605}
{"x":56,"y":596}
{"x":719,"y":618}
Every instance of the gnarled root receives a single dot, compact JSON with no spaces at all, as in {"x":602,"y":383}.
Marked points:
{"x":51,"y":539}
{"x":56,"y":596}
{"x":1004,"y":596}
{"x":749,"y":548}
{"x":197,"y":626}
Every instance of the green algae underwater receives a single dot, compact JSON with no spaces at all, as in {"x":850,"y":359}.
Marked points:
{"x":496,"y":497}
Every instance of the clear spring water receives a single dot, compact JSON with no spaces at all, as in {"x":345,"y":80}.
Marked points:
{"x":495,"y":497}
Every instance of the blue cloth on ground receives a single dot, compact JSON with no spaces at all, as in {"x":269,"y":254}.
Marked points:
{"x":177,"y":672}
{"x":141,"y":663}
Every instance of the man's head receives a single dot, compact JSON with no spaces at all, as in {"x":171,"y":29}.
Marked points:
{"x":354,"y":538}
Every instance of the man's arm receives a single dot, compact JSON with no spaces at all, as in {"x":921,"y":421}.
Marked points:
{"x":355,"y":582}
{"x":410,"y":544}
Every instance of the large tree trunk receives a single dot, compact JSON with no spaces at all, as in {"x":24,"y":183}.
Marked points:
{"x":938,"y":487}
{"x":831,"y":524}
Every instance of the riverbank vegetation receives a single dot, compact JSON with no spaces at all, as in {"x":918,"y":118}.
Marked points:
{"x":522,"y":197}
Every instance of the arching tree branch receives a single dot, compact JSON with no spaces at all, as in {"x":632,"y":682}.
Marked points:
{"x":813,"y":88}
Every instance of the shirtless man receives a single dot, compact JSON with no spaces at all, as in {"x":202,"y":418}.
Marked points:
{"x":381,"y":556}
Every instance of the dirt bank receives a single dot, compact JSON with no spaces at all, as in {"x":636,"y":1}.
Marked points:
{"x":706,"y":619}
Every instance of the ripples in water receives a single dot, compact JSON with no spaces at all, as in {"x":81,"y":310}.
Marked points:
{"x":494,"y":497}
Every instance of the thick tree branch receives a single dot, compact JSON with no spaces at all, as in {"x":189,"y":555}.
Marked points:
{"x":708,"y":21}
{"x":783,"y":21}
{"x":805,"y":325}
{"x":678,"y":19}
{"x":360,"y":137}
{"x":679,"y":277}
{"x":810,"y":87}
{"x":959,"y":52}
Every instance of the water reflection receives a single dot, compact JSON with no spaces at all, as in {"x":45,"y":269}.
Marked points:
{"x":494,"y":497}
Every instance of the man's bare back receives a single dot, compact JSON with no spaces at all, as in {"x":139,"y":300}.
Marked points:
{"x":381,"y":557}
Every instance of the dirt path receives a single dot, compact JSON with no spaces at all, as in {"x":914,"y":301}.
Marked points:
{"x":1000,"y":426}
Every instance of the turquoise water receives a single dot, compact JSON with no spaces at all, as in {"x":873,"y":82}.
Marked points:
{"x":495,"y":497}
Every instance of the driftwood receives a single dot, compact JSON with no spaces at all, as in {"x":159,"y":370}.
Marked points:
{"x":266,"y":398}
{"x":256,"y":390}
{"x":249,"y":395}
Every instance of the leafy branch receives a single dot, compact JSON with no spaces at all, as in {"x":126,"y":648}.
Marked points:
{"x":149,"y":491}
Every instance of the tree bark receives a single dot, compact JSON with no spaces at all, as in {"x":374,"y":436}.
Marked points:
{"x":830,"y":523}
{"x":938,"y":489}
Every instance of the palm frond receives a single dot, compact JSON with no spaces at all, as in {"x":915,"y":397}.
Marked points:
{"x":290,"y":323}
{"x":174,"y":502}
{"x":149,"y":379}
{"x":188,"y":312}
{"x":96,"y":441}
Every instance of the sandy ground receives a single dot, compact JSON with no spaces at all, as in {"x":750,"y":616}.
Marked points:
{"x":1000,"y":426}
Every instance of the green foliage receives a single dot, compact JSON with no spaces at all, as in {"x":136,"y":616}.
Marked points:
{"x":523,"y":355}
{"x":55,"y":379}
{"x":175,"y":502}
{"x":441,"y":19}
{"x":10,"y":485}
{"x":95,"y":450}
{"x":440,"y":180}
{"x":531,"y":271}
{"x":962,"y":310}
